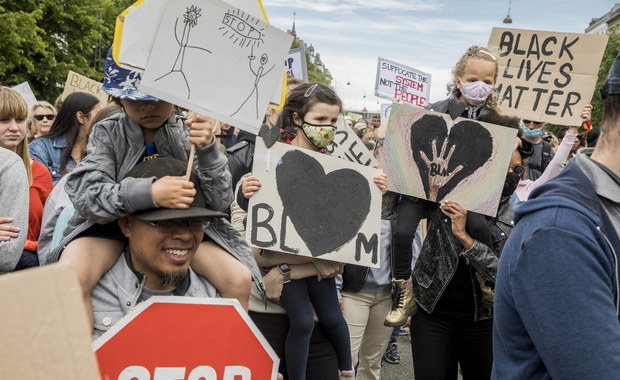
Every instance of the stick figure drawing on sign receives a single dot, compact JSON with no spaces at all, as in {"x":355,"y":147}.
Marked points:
{"x":259,"y":73}
{"x":190,"y":19}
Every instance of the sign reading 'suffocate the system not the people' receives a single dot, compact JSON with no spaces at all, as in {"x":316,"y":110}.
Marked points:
{"x":402,"y":84}
{"x":546,"y":76}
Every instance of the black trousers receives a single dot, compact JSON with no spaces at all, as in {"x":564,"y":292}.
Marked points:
{"x":410,"y":213}
{"x":322,"y":359}
{"x":443,"y":337}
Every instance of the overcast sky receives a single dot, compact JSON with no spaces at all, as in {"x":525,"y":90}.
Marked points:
{"x":429,"y":35}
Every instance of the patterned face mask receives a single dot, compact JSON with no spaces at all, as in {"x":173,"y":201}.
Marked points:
{"x":319,"y":135}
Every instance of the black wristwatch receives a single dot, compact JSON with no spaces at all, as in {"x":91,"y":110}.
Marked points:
{"x":286,"y":272}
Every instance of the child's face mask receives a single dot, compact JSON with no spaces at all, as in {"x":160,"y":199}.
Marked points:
{"x":319,"y":135}
{"x":476,"y":92}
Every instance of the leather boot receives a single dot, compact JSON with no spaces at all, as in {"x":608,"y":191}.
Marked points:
{"x":403,"y":305}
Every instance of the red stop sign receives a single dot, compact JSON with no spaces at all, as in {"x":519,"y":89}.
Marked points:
{"x":185,"y":338}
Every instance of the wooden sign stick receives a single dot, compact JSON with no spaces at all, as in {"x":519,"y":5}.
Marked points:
{"x":190,"y":162}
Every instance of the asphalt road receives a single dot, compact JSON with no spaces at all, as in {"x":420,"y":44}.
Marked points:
{"x":404,"y":370}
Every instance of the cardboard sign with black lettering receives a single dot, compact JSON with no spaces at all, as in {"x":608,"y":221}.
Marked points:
{"x":296,"y":63}
{"x":546,"y":76}
{"x":76,"y":82}
{"x":314,"y":205}
{"x":348,"y":146}
{"x":402,"y":83}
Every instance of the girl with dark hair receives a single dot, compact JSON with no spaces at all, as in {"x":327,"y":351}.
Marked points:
{"x":307,"y":121}
{"x":62,"y":147}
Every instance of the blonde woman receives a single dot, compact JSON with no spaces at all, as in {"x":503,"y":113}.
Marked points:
{"x":40,"y":119}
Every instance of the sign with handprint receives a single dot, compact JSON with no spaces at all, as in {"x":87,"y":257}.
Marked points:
{"x":428,"y":155}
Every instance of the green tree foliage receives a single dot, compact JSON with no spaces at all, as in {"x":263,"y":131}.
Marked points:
{"x":315,"y":75}
{"x":42,"y":40}
{"x":611,"y":51}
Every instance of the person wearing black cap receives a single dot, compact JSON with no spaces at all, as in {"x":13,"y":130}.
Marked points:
{"x":557,"y":294}
{"x":161,"y":245}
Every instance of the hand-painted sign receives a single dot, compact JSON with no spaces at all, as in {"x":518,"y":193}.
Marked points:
{"x":546,"y":76}
{"x":428,"y":155}
{"x":348,"y":146}
{"x":314,"y":205}
{"x":296,"y":64}
{"x":401,"y":83}
{"x":76,"y":82}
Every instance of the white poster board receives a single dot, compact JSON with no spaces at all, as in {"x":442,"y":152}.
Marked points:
{"x":398,"y":82}
{"x":26,"y":92}
{"x":348,"y":146}
{"x":296,"y":63}
{"x":218,"y":60}
{"x":385,"y":111}
{"x":428,"y":155}
{"x":314,"y":205}
{"x":137,"y":27}
{"x":546,"y":76}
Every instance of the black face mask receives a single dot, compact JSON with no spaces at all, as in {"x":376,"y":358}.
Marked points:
{"x":510,"y":185}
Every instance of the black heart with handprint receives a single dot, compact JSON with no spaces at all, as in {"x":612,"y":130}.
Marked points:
{"x":327,"y":210}
{"x":472,"y":144}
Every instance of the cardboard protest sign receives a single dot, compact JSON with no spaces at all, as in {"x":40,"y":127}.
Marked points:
{"x":355,"y":116}
{"x":348,"y":146}
{"x":79,"y":83}
{"x":546,"y":76}
{"x":314,"y":205}
{"x":185,"y":338}
{"x":296,"y":63}
{"x":428,"y":155}
{"x":216,"y":59}
{"x":43,"y":326}
{"x":26,"y":92}
{"x":402,"y":83}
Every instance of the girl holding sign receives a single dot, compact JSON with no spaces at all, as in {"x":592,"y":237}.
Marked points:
{"x":307,"y":121}
{"x":458,"y":260}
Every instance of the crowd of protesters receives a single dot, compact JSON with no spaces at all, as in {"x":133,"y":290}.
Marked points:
{"x":532,"y":292}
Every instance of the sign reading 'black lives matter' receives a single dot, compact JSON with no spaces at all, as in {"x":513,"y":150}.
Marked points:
{"x":546,"y":76}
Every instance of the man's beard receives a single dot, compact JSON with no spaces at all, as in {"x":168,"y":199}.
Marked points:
{"x":173,"y":278}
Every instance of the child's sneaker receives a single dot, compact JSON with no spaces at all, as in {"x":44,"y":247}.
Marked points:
{"x":391,"y":353}
{"x":348,"y":373}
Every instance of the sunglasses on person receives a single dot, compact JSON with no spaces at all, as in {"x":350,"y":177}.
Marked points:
{"x":168,"y":226}
{"x":518,"y":169}
{"x":530,"y":121}
{"x":50,"y":117}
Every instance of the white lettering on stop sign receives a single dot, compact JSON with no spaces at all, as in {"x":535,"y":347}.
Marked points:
{"x":204,"y":372}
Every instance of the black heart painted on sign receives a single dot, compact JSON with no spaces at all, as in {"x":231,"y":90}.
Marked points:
{"x":270,"y":135}
{"x":472,"y":144}
{"x":327,"y":210}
